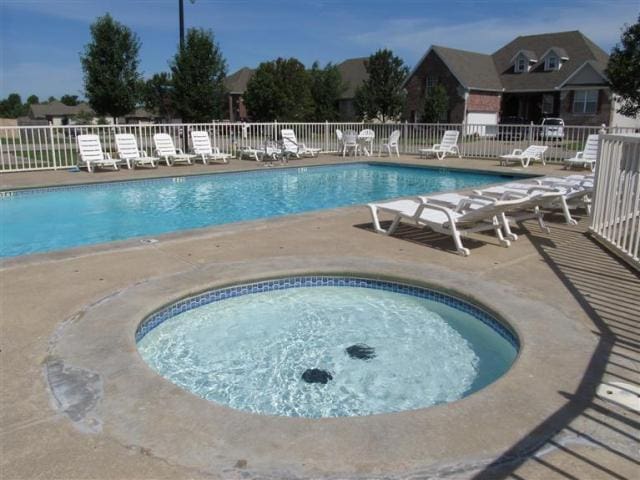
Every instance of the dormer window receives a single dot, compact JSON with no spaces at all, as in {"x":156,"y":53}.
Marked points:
{"x":522,"y":61}
{"x":554,"y":58}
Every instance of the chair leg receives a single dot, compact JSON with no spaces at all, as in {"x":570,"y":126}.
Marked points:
{"x":566,"y":212}
{"x":498,"y":231}
{"x":507,"y":228}
{"x":457,"y":240}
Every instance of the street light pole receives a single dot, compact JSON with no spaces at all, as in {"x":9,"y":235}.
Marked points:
{"x":181,"y":7}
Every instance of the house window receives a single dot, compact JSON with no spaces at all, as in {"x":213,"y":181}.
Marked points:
{"x":585,"y":101}
{"x":521,"y":64}
{"x":552,"y":63}
{"x":431,"y":83}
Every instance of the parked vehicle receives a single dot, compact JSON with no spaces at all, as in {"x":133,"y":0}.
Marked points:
{"x":512,"y":128}
{"x":552,"y":128}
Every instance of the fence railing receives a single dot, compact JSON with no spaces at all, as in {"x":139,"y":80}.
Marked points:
{"x":52,"y":147}
{"x":615,"y":219}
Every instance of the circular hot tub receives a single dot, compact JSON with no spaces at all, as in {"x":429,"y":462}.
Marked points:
{"x":327,"y":346}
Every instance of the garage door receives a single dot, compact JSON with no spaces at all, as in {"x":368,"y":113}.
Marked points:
{"x":482,"y":123}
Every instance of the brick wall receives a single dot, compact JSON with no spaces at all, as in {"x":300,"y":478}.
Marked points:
{"x":416,"y":89}
{"x":484,"y":102}
{"x":601,"y":116}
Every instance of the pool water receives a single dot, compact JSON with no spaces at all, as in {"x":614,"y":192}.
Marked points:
{"x":54,"y":219}
{"x":250,"y":352}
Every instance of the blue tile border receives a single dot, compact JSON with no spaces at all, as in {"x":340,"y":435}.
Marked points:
{"x":310,"y":281}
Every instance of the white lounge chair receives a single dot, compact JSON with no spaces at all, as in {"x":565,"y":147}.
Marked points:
{"x":249,"y":152}
{"x":586,"y":158}
{"x":448,"y":144}
{"x":91,"y":153}
{"x":339,"y":136}
{"x":563,"y":197}
{"x":532,"y":153}
{"x":457,"y":222}
{"x":201,"y":145}
{"x":166,"y":150}
{"x":128,"y":151}
{"x":291,"y":146}
{"x":390,"y":144}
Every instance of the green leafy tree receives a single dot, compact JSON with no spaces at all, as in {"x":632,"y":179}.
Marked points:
{"x":436,"y":105}
{"x":71,"y":100}
{"x":83,"y":117}
{"x":110,"y":65}
{"x":623,"y":70}
{"x":198,"y":71}
{"x":51,"y":99}
{"x":157,"y":95}
{"x":12,"y":107}
{"x":32,"y":100}
{"x":381,"y":96}
{"x":280,"y":90}
{"x":326,"y":88}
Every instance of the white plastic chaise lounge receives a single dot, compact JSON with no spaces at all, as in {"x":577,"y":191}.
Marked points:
{"x":448,"y":144}
{"x":564,"y":197}
{"x":456,"y":222}
{"x":128,"y":152}
{"x":291,"y":146}
{"x":166,"y":150}
{"x":390,"y":144}
{"x":201,"y":145}
{"x":525,"y":157}
{"x":586,"y":158}
{"x":91,"y":154}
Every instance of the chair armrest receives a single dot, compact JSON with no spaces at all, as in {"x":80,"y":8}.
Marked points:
{"x":143,"y":153}
{"x":436,"y":146}
{"x":426,"y":205}
{"x":579,"y":155}
{"x":517,"y":151}
{"x":179,"y":151}
{"x":107,"y":155}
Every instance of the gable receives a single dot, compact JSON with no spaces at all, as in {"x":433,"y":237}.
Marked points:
{"x":585,"y":75}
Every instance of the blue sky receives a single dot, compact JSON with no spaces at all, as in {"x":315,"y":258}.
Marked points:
{"x":40,"y":40}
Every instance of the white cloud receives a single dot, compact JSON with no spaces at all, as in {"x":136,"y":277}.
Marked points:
{"x":411,"y":37}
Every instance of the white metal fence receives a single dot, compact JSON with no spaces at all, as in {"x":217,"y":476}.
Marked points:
{"x":615,"y":218}
{"x":53,"y":147}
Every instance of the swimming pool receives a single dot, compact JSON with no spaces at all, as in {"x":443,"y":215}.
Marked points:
{"x":326,"y":346}
{"x":43,"y":220}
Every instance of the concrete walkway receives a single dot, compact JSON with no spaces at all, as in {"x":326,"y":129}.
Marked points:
{"x":44,"y":297}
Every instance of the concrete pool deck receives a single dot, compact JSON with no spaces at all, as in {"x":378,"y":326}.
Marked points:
{"x":79,"y":403}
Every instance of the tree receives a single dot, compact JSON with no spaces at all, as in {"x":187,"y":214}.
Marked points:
{"x":157,"y":95}
{"x":71,"y":100}
{"x":83,"y":117}
{"x":51,"y":99}
{"x":12,"y":107}
{"x":436,"y":105}
{"x":279,"y":90}
{"x":326,"y":88}
{"x":198,"y":71}
{"x":32,"y":100}
{"x":110,"y":65}
{"x":623,"y":70}
{"x":381,"y":96}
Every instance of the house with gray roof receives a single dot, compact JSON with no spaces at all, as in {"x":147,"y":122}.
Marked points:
{"x":532,"y":77}
{"x":353,"y":73}
{"x":57,"y":113}
{"x":236,"y":85}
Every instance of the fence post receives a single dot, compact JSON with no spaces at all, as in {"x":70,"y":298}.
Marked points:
{"x":53,"y":147}
{"x":405,"y":136}
{"x":326,"y":135}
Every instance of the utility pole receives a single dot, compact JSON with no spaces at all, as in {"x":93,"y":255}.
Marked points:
{"x":181,"y":7}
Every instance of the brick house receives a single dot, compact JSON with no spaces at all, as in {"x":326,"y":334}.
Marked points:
{"x":236,"y":85}
{"x":532,"y":77}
